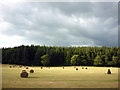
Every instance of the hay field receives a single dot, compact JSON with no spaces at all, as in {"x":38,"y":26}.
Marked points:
{"x":57,"y":77}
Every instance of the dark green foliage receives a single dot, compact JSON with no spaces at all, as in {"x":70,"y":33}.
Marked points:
{"x":75,"y":60}
{"x":110,"y":63}
{"x":57,"y":56}
{"x":98,"y":61}
{"x":114,"y":61}
{"x":68,"y":58}
{"x":45,"y":60}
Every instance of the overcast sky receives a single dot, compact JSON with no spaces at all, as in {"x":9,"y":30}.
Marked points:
{"x":58,"y":24}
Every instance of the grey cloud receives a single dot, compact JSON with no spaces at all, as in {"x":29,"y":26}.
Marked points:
{"x":53,"y":23}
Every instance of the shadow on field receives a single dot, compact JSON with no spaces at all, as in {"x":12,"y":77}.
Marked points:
{"x":33,"y":77}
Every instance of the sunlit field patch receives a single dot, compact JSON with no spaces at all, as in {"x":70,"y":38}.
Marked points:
{"x":57,"y":77}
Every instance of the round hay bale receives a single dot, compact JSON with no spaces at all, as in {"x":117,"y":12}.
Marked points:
{"x":41,"y":67}
{"x":10,"y":66}
{"x":76,"y":68}
{"x":108,"y":71}
{"x":26,"y":67}
{"x":13,"y":66}
{"x":31,"y":71}
{"x":23,"y":70}
{"x":82,"y":67}
{"x":24,"y":75}
{"x":86,"y":68}
{"x":63,"y":67}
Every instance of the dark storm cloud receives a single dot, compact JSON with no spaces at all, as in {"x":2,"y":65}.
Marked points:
{"x":61,"y":24}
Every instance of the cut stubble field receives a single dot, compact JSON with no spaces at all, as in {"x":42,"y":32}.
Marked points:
{"x":57,"y":77}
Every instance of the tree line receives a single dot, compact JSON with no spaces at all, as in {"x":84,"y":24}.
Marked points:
{"x":59,"y":56}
